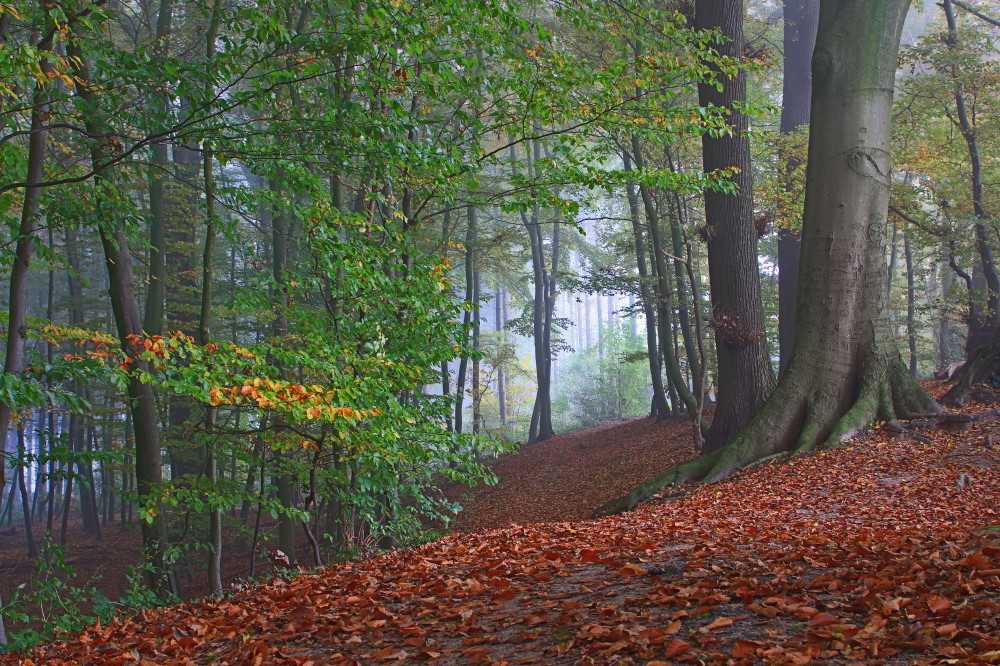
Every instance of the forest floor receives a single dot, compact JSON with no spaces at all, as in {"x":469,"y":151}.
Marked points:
{"x":866,"y":554}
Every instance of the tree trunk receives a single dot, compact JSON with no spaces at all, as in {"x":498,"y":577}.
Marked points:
{"x":280,"y":230}
{"x":471,"y":239}
{"x":477,"y":395}
{"x":744,"y":373}
{"x":205,"y":318}
{"x":659,"y":408}
{"x":683,"y":294}
{"x":118,"y":260}
{"x":17,"y":308}
{"x":155,"y":290}
{"x":663,"y":290}
{"x":540,"y":427}
{"x":845,"y":371}
{"x":947,"y":330}
{"x":801,"y":19}
{"x":29,"y":534}
{"x":911,"y":332}
{"x":982,"y":327}
{"x":501,"y":320}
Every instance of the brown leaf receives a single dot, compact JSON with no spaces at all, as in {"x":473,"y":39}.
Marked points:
{"x":675,"y":647}
{"x":717,"y":623}
{"x":822,"y":619}
{"x":938,"y":604}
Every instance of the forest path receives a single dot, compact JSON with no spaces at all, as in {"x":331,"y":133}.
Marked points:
{"x":867,"y":554}
{"x":566,"y":477}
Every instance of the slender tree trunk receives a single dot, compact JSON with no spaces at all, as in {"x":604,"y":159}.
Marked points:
{"x":24,"y":249}
{"x":156,"y":291}
{"x":600,"y":326}
{"x":205,"y":319}
{"x":471,"y":239}
{"x":683,"y":298}
{"x":663,"y":290}
{"x":500,"y":321}
{"x":659,"y":408}
{"x":142,"y":405}
{"x":67,"y":503}
{"x":280,"y":230}
{"x":540,"y":427}
{"x":946,"y":328}
{"x":29,"y":533}
{"x":911,"y":332}
{"x":801,"y":18}
{"x":982,"y":327}
{"x":477,"y":396}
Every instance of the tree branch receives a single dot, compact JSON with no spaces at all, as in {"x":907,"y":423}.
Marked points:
{"x":962,"y":5}
{"x":919,"y":225}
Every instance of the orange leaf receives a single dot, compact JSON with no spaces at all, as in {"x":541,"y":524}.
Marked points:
{"x":631,"y":571}
{"x":718,"y":623}
{"x":946,"y":629}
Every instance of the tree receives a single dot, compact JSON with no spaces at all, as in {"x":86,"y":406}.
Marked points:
{"x":745,"y":377}
{"x":800,"y":21}
{"x":845,"y":371}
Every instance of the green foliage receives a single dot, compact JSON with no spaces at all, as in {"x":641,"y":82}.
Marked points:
{"x":56,"y":606}
{"x":603,"y":382}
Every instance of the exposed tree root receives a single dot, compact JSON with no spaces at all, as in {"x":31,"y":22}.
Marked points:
{"x":672,"y":478}
{"x":950,"y":419}
{"x":981,"y":364}
{"x":789,"y":422}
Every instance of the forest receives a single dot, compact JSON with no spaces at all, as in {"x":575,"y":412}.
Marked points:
{"x":278,"y":278}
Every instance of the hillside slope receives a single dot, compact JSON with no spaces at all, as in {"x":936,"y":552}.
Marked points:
{"x":870,"y":554}
{"x":568,"y":476}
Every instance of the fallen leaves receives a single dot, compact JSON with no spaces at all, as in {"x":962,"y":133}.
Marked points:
{"x":865,"y":554}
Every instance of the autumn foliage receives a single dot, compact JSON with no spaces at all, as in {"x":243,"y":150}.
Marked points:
{"x":880,"y":552}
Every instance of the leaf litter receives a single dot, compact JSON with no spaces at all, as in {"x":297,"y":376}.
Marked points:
{"x":866,"y":554}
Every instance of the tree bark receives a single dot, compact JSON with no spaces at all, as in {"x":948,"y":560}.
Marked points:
{"x":25,"y":507}
{"x":845,"y":371}
{"x":471,"y":239}
{"x":155,"y":291}
{"x":501,"y":320}
{"x":744,"y":373}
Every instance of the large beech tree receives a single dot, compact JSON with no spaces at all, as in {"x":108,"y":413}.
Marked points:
{"x":845,"y":371}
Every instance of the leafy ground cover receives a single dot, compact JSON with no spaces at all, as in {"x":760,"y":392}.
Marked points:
{"x":883,"y":552}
